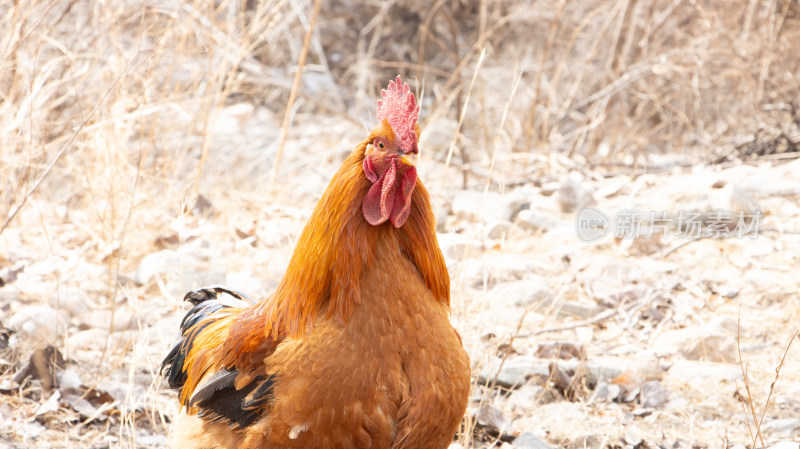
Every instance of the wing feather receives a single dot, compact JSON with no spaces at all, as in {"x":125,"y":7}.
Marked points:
{"x":220,"y":374}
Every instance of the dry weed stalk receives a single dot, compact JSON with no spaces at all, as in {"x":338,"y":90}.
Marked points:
{"x":458,"y":127}
{"x":751,"y":414}
{"x":287,"y":117}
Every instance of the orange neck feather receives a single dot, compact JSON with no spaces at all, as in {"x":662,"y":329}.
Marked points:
{"x":338,"y":244}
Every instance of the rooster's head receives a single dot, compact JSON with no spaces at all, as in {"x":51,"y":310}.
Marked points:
{"x":391,"y":156}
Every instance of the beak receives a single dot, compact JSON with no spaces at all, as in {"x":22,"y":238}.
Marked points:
{"x":409,"y":159}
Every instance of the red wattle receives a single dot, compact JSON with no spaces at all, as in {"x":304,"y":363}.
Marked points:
{"x":403,"y":200}
{"x":388,"y":198}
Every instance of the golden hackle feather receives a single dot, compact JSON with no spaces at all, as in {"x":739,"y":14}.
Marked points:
{"x":337,"y":243}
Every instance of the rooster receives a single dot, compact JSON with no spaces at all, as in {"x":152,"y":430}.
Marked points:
{"x":355,"y":348}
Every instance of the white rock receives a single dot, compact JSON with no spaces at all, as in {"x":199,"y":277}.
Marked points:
{"x":494,"y":267}
{"x":525,"y":397}
{"x":493,"y":418}
{"x":610,"y":279}
{"x":457,"y":246}
{"x":785,"y":427}
{"x":535,"y":220}
{"x":715,"y":341}
{"x":728,"y":323}
{"x":157,"y":263}
{"x":442,"y":213}
{"x":39,"y":321}
{"x":82,"y":406}
{"x":653,"y":394}
{"x":646,"y":366}
{"x":613,"y":186}
{"x":632,"y":437}
{"x":229,"y":120}
{"x":31,"y":430}
{"x":69,"y":380}
{"x":90,"y":339}
{"x":576,"y":309}
{"x":50,"y":405}
{"x":528,"y":440}
{"x":760,"y":279}
{"x":497,"y":229}
{"x":643,"y":245}
{"x":483,"y":206}
{"x":549,"y":188}
{"x":656,"y":266}
{"x":665,"y":161}
{"x":152,"y":440}
{"x":733,"y":198}
{"x":319,"y":83}
{"x":439,"y":132}
{"x":519,"y":293}
{"x":72,"y":300}
{"x":246,"y":282}
{"x":784,"y":445}
{"x":765,"y":182}
{"x":277,"y":232}
{"x":513,"y":373}
{"x":122,"y":319}
{"x":607,"y":368}
{"x":728,"y":291}
{"x":9,"y":274}
{"x":605,"y":392}
{"x":689,"y":371}
{"x":574,"y":194}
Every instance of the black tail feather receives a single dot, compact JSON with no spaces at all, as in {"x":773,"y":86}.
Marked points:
{"x":198,"y":313}
{"x":205,"y":302}
{"x":212,"y":292}
{"x":216,"y":398}
{"x":219,"y":401}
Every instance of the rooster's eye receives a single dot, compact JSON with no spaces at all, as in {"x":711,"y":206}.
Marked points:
{"x":380,"y":145}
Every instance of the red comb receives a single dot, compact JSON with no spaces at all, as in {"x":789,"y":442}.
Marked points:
{"x":399,"y":107}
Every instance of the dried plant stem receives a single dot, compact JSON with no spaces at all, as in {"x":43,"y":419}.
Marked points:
{"x":529,"y":133}
{"x":460,"y":122}
{"x":66,"y":146}
{"x":287,"y":116}
{"x":602,"y":316}
{"x":425,"y":29}
{"x":758,"y":420}
{"x":775,"y":380}
{"x":496,"y":142}
{"x":747,"y":381}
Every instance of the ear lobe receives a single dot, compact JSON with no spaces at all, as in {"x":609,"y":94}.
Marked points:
{"x":369,"y":170}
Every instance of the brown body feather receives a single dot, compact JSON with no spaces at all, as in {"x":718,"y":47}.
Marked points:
{"x":356,"y":340}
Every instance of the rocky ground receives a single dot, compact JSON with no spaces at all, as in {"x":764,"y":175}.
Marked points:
{"x":615,"y":184}
{"x":673,"y":338}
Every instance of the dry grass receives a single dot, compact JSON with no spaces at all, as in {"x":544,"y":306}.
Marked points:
{"x":112,"y":116}
{"x":128,"y":93}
